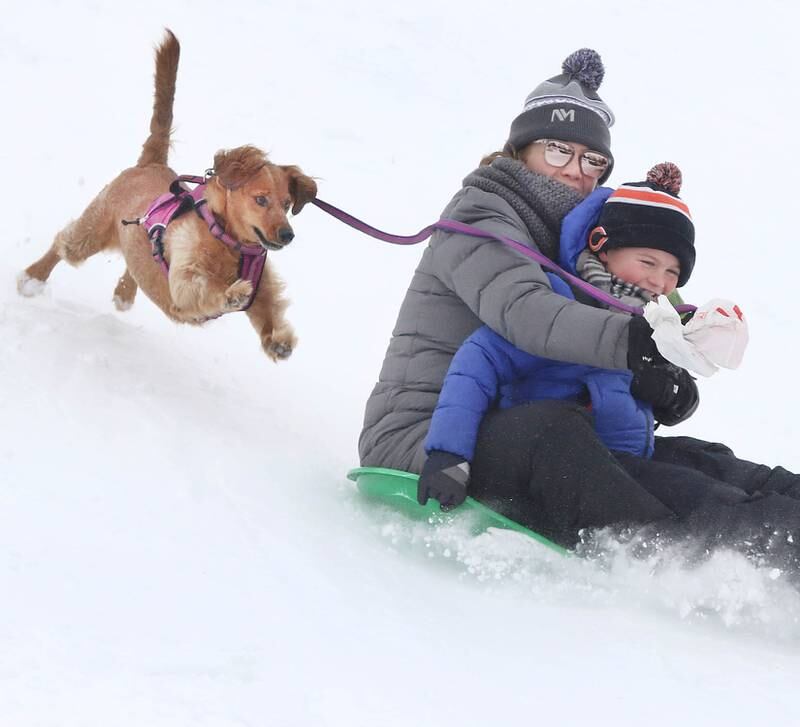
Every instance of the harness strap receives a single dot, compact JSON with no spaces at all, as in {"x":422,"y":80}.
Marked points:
{"x":216,"y":229}
{"x":177,"y":184}
{"x":180,"y":200}
{"x":448,"y":225}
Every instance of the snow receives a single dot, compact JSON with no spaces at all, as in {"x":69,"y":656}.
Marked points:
{"x":179,"y":544}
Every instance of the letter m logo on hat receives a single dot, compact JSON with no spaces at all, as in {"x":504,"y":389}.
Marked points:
{"x":563,"y":115}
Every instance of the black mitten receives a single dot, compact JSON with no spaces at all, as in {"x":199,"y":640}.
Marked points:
{"x":684,"y":402}
{"x":444,"y":477}
{"x":671,"y":390}
{"x":642,"y":351}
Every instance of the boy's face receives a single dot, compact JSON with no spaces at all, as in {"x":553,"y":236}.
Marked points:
{"x":656,"y":271}
{"x":570,"y":174}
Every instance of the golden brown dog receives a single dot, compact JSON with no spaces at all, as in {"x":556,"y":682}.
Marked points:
{"x":249,"y":196}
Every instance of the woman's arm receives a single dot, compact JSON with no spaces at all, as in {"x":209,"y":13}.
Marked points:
{"x":511,"y":294}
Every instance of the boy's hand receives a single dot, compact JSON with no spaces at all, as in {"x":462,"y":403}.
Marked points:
{"x":444,"y":477}
{"x":684,"y":402}
{"x":671,"y":390}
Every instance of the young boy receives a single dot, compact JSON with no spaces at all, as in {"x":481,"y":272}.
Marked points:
{"x":641,"y":246}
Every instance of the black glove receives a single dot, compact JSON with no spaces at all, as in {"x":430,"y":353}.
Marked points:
{"x":670,"y":389}
{"x":445,"y":478}
{"x":684,"y":403}
{"x":642,"y":351}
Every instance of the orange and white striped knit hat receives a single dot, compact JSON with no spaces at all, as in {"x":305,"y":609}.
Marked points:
{"x":649,"y":214}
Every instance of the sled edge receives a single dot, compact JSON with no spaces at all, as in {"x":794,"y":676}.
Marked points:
{"x":398,"y":489}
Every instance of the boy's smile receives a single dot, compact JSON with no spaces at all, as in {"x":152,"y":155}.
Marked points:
{"x":656,"y":271}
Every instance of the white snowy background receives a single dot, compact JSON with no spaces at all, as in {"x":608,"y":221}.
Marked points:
{"x":178,"y":542}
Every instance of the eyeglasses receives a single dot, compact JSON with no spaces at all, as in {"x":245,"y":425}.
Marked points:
{"x":559,"y":154}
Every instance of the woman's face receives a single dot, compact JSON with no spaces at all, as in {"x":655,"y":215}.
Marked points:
{"x":656,"y":271}
{"x":570,"y":174}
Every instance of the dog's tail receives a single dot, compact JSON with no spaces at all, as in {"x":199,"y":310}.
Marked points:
{"x":156,"y":148}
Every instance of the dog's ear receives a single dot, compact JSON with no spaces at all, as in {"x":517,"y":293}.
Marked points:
{"x":302,"y":188}
{"x":236,"y":167}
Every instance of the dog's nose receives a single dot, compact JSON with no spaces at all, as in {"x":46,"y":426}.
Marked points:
{"x":285,"y":235}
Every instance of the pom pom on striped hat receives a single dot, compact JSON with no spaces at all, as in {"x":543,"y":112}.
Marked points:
{"x":667,"y":176}
{"x":649,"y":214}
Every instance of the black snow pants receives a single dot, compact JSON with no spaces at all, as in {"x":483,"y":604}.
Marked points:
{"x":543,"y":465}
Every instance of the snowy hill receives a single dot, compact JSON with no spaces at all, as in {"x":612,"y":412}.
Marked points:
{"x":180,"y":545}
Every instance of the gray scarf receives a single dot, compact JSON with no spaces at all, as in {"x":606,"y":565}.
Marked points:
{"x":541,"y":202}
{"x":594,"y":272}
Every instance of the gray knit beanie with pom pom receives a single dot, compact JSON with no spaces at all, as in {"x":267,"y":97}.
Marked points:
{"x":567,"y":108}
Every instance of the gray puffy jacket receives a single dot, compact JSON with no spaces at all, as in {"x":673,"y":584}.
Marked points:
{"x":460,"y":284}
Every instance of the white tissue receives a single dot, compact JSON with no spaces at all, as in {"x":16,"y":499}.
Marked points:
{"x":716,"y":335}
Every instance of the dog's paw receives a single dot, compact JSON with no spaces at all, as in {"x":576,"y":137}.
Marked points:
{"x":279,"y":351}
{"x":280,"y":345}
{"x":237,"y":295}
{"x":122,"y":304}
{"x":28,"y":286}
{"x":125,"y":292}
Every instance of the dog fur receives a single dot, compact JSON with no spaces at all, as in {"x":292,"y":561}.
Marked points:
{"x":249,"y":195}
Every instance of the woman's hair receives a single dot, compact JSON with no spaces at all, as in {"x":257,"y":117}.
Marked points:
{"x":508,"y":152}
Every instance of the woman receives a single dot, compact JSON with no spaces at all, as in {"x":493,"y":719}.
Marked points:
{"x":557,"y":151}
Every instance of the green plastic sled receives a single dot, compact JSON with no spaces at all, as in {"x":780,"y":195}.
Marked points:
{"x":398,"y":490}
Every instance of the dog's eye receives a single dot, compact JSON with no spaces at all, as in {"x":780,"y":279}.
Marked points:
{"x":261,"y":200}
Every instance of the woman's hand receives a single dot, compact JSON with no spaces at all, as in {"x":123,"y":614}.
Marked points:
{"x":642,"y":350}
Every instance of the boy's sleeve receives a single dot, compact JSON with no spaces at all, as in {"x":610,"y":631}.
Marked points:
{"x":482,"y":364}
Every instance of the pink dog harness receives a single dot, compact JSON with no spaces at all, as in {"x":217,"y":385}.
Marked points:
{"x":180,"y":200}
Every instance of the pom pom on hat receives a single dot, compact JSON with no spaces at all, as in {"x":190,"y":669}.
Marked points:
{"x":667,"y":176}
{"x":586,"y":67}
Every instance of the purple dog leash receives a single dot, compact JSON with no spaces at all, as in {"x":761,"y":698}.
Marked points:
{"x":361,"y":226}
{"x":448,"y":225}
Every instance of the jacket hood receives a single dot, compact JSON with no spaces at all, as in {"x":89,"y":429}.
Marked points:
{"x":577,"y":225}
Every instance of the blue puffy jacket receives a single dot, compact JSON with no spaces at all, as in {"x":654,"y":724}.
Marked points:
{"x":488,"y":371}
